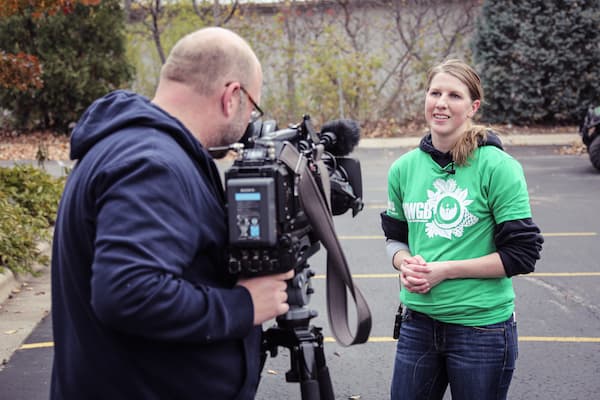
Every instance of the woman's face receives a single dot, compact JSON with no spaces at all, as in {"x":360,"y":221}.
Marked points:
{"x":448,"y":106}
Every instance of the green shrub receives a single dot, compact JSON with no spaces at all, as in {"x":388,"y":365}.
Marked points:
{"x":82,"y":55}
{"x":28,"y":202}
{"x":538,"y":60}
{"x":34,"y":190}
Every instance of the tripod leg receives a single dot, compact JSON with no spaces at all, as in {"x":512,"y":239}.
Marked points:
{"x":315,"y":381}
{"x":308,"y":374}
{"x":309,"y":390}
{"x":325,"y":385}
{"x":307,"y":358}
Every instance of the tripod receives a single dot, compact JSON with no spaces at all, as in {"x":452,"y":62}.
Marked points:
{"x":305,"y":341}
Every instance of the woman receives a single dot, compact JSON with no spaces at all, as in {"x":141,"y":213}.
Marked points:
{"x":458,"y":227}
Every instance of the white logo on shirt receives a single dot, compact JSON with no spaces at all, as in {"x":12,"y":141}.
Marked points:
{"x":445,"y":213}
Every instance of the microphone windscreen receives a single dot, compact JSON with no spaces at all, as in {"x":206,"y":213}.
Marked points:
{"x":347,"y":134}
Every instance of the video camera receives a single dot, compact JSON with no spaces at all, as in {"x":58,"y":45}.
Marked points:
{"x":269,"y":231}
{"x":281,"y":192}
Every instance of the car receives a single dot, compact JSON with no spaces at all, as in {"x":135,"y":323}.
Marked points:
{"x":590,"y":131}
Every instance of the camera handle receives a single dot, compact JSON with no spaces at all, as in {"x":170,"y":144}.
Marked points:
{"x":304,"y":341}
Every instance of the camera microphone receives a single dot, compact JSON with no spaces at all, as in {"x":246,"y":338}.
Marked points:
{"x":340,"y":136}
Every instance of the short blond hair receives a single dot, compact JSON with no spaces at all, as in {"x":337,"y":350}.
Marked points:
{"x":201,"y":58}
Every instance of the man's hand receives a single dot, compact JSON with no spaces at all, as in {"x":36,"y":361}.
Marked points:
{"x":269,"y":295}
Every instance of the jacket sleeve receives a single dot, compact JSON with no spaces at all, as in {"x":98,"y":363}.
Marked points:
{"x":394,"y":228}
{"x":148,"y":232}
{"x":519,"y":243}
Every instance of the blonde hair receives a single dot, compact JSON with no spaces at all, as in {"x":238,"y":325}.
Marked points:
{"x":469,"y":140}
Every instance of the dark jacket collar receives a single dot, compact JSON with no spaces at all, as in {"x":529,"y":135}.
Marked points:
{"x":444,"y":159}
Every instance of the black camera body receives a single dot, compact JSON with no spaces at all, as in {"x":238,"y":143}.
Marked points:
{"x":269,"y":231}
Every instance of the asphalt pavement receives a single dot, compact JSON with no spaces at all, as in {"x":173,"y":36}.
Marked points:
{"x":557,"y":306}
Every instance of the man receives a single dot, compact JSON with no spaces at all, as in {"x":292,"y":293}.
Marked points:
{"x":142,"y":305}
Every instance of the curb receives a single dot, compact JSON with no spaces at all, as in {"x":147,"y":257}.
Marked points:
{"x":555,"y":139}
{"x":25,"y":299}
{"x":28,"y":303}
{"x":8,"y":283}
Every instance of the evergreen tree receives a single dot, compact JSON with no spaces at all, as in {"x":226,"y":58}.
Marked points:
{"x":82,"y":54}
{"x":539,"y":60}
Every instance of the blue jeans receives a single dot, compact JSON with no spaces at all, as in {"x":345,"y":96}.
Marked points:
{"x":477,"y":362}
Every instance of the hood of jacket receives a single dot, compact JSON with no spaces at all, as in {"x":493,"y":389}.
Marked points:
{"x":121,"y":109}
{"x":492,"y":139}
{"x":443,"y":159}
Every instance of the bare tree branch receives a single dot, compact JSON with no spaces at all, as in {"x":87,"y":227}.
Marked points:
{"x":155,"y":12}
{"x":216,"y":9}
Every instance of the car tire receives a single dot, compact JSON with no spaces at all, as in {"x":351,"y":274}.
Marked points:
{"x":594,"y":150}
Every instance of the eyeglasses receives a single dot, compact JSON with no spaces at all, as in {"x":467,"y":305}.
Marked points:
{"x":257,"y":113}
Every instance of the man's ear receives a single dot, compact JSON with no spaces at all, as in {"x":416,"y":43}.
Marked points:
{"x":228,"y":98}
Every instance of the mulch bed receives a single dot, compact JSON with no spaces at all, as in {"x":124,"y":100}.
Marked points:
{"x":31,"y":145}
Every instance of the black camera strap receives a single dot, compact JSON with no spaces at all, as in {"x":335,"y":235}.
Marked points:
{"x":339,"y":280}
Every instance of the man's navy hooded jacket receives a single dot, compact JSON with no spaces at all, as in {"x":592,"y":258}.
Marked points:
{"x":141,"y":305}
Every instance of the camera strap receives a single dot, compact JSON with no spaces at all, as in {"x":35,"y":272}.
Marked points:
{"x":339,"y":280}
